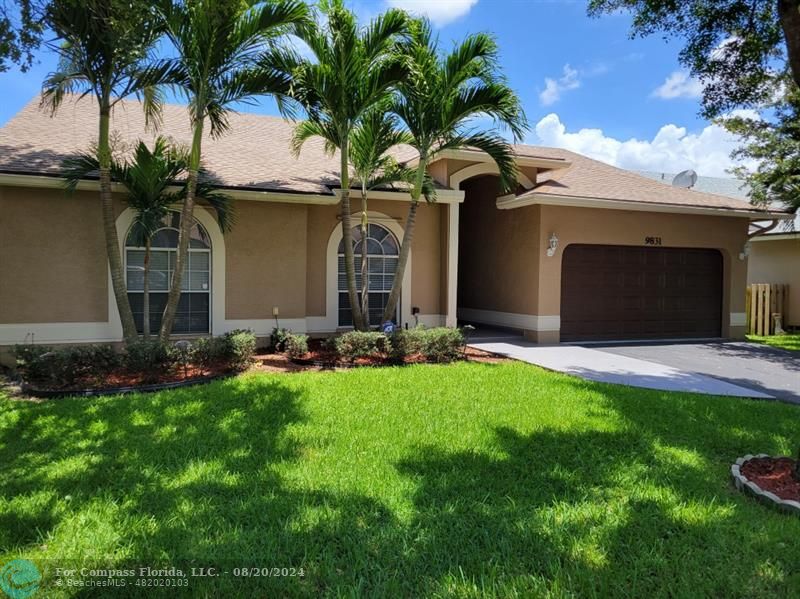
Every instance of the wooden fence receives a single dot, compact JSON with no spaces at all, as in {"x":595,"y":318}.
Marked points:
{"x":762,"y":301}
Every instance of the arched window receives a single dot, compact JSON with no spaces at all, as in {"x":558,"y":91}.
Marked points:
{"x":382,"y":251}
{"x":193,"y":314}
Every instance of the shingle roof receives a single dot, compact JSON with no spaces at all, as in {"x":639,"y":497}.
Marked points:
{"x":588,"y":178}
{"x":255,"y":154}
{"x":724,"y":186}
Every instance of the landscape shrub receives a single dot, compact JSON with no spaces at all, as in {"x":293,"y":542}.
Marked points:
{"x":442,"y":344}
{"x":28,"y":362}
{"x":360,"y":344}
{"x":277,"y":339}
{"x":65,"y":366}
{"x":406,"y":342}
{"x":207,"y":351}
{"x":240,"y":348}
{"x":149,"y":357}
{"x":296,"y":345}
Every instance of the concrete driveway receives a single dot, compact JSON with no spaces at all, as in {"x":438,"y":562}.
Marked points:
{"x":772,"y":371}
{"x":724,"y":368}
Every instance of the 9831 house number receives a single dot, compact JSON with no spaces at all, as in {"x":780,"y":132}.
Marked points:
{"x":652,"y":241}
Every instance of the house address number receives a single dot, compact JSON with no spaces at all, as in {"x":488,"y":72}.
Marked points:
{"x":652,"y":241}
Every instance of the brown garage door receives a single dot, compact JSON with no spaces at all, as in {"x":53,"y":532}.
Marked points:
{"x":618,"y":292}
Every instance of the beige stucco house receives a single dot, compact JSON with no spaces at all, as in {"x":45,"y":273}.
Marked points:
{"x":580,"y":251}
{"x":774,"y":257}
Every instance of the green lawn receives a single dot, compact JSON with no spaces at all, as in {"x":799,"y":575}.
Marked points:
{"x":466,"y":480}
{"x":790,"y":342}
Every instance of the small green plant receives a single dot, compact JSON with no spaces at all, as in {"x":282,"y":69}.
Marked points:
{"x":361,"y":344}
{"x":208,"y":351}
{"x":442,"y":344}
{"x":27,"y":358}
{"x":240,"y":348}
{"x":277,"y":339}
{"x":296,"y":345}
{"x":406,"y":342}
{"x":149,"y":357}
{"x":65,"y":366}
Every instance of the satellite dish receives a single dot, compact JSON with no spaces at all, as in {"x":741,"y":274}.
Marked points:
{"x":685,"y":179}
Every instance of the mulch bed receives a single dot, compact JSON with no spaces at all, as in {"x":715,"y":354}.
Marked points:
{"x":321,"y":358}
{"x":123,"y":381}
{"x":318,"y":358}
{"x":775,"y":475}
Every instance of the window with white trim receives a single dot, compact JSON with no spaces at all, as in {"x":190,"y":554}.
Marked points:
{"x":382,"y":251}
{"x":194,"y":314}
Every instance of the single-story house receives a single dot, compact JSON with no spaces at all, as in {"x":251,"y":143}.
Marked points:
{"x":774,"y":257}
{"x":580,"y":251}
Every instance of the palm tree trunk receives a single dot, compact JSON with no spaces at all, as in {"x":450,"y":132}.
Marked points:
{"x":129,"y":333}
{"x":390,"y":312}
{"x":146,"y":293}
{"x":347,"y":238}
{"x":364,"y":261}
{"x":187,"y":220}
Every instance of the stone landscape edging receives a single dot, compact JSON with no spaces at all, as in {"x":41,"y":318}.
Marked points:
{"x":747,"y":486}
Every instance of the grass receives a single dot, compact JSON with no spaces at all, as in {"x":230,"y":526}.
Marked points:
{"x":467,"y":480}
{"x":790,"y":342}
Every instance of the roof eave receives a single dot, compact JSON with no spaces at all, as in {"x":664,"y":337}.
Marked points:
{"x":510,"y":202}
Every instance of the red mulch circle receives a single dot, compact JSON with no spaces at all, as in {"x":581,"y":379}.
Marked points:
{"x":775,"y":475}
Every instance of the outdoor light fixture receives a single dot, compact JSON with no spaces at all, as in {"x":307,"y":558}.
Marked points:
{"x":745,"y":251}
{"x":552,"y":245}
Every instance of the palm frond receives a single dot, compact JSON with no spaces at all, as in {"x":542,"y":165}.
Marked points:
{"x":496,"y":147}
{"x":79,"y":168}
{"x":305,"y":130}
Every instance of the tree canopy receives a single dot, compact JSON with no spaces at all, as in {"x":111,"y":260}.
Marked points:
{"x":739,"y":49}
{"x":21,"y":30}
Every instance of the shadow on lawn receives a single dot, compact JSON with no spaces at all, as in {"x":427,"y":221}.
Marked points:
{"x":549,"y":510}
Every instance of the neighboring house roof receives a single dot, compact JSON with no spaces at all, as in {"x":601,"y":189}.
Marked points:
{"x":254,"y":154}
{"x":725,"y":186}
{"x":735,"y":188}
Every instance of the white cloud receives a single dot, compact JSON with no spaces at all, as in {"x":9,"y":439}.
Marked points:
{"x":440,"y":12}
{"x":679,"y":85}
{"x":673,"y":148}
{"x":553,"y":88}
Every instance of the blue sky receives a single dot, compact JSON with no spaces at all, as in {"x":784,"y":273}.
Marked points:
{"x":584,"y":84}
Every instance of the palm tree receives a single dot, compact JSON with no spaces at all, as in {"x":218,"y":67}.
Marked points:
{"x":227,"y":53}
{"x":353,"y":70}
{"x":149,"y":177}
{"x":104,"y":50}
{"x":370,"y":141}
{"x":438,"y":101}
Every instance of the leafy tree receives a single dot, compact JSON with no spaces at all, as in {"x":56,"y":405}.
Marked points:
{"x":437,"y":103}
{"x":775,"y":144}
{"x":738,"y":48}
{"x":104,"y":50}
{"x":370,"y":143}
{"x":228,"y":52}
{"x":352,"y":72}
{"x":21,"y":29}
{"x":149,"y":177}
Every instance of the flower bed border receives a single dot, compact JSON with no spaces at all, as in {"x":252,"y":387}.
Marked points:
{"x":151,"y":388}
{"x":749,"y":487}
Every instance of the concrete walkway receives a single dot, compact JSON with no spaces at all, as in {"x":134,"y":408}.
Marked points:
{"x":606,"y":367}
